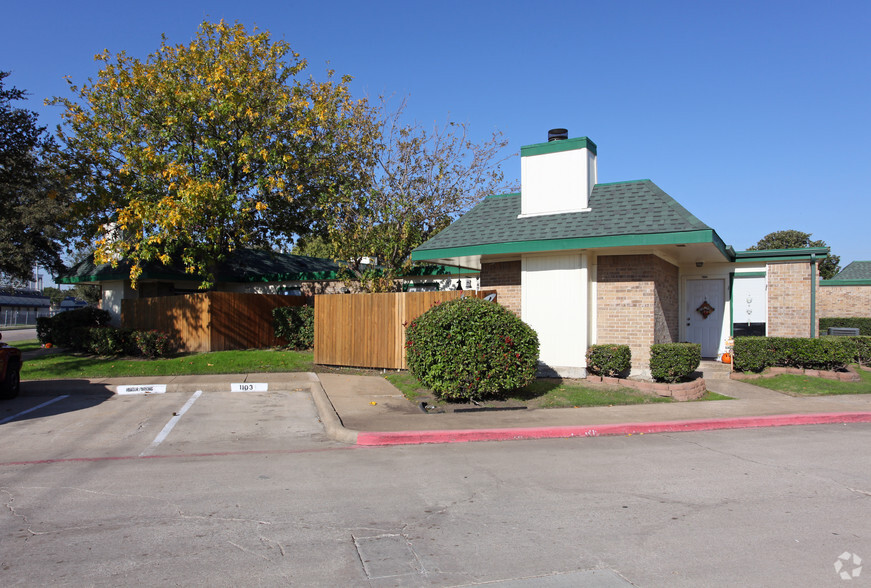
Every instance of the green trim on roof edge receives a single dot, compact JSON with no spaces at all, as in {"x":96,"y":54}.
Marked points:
{"x":845,"y":282}
{"x":784,"y":254}
{"x":502,"y":195}
{"x":433,"y":271}
{"x":116,"y":277}
{"x":780,"y":258}
{"x":701,"y":236}
{"x":557,"y":146}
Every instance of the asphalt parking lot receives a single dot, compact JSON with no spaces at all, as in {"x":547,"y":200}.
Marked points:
{"x":76,"y":425}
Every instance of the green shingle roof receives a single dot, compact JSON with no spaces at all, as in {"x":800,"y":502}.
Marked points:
{"x":619,"y":209}
{"x":856,"y":270}
{"x":245,"y":265}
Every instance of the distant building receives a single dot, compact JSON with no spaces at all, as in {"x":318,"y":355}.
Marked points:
{"x":22,"y":307}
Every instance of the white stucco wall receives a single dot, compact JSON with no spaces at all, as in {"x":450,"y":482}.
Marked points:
{"x":555,"y":303}
{"x":113,"y":293}
{"x":554,"y":183}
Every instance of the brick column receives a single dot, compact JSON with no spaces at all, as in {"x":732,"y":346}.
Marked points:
{"x":789,"y":299}
{"x":637,"y":304}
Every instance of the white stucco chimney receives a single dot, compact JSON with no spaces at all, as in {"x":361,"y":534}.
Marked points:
{"x":557,"y":176}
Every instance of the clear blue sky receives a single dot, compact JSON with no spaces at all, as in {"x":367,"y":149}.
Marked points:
{"x":752,"y":114}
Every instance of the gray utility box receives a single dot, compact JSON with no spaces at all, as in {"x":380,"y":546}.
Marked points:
{"x":843,"y":331}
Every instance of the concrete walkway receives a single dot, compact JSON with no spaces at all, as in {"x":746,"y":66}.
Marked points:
{"x":368,"y":410}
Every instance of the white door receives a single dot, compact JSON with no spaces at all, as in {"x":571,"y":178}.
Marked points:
{"x":704,"y":314}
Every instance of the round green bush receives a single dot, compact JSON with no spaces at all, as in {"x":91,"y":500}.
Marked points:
{"x":470,"y":348}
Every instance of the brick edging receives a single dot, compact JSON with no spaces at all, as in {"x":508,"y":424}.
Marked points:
{"x":681,"y":391}
{"x":849,"y":375}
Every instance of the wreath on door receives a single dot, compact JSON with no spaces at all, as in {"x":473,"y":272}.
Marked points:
{"x":705,"y":309}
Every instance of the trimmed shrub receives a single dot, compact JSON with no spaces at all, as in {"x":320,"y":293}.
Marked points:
{"x":862,"y":349}
{"x":296,"y":325}
{"x":609,"y":360}
{"x":43,"y":329}
{"x":153,"y":344}
{"x":863,"y":324}
{"x":819,"y":354}
{"x":69,"y":328}
{"x":470,"y":348}
{"x":754,"y":354}
{"x":111,"y":341}
{"x":673,"y":362}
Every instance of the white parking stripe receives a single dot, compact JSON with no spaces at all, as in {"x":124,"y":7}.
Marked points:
{"x":162,"y":435}
{"x":15,"y":416}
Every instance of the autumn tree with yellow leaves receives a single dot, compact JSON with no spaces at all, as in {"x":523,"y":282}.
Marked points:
{"x":207,"y":147}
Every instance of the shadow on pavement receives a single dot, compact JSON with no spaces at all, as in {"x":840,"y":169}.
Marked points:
{"x":42,"y":398}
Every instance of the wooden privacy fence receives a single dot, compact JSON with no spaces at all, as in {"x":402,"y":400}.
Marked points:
{"x":211,"y":321}
{"x":367,"y":330}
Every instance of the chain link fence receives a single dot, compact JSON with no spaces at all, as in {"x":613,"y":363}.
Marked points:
{"x":21,"y":318}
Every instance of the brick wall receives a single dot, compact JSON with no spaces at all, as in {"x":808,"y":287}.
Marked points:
{"x":844,"y":302}
{"x":637,"y":303}
{"x":504,"y":277}
{"x":789,"y":299}
{"x":667,"y":302}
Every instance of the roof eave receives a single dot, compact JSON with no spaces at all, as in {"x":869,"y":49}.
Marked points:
{"x":806,"y":254}
{"x":448,"y":255}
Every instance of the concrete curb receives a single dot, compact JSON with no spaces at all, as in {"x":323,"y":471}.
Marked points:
{"x":460,"y":436}
{"x":329,"y":417}
{"x":173,"y":384}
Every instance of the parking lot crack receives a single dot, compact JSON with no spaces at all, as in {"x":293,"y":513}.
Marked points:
{"x":183,"y":515}
{"x":11,"y":508}
{"x":239,"y":547}
{"x":268,"y":542}
{"x":9,"y":505}
{"x":776,"y":466}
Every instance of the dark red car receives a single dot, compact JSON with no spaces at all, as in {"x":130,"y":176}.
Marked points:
{"x":10,"y":370}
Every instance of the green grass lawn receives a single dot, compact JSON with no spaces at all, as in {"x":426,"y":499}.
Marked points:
{"x":544,"y":393}
{"x":409,"y":386}
{"x":806,"y":386}
{"x":29,"y":345}
{"x":567,"y":394}
{"x":64,"y":365}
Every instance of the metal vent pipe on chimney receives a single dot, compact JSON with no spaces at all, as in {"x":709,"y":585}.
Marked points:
{"x":557,"y":135}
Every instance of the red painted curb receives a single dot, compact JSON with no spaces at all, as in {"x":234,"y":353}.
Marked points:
{"x":466,"y":435}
